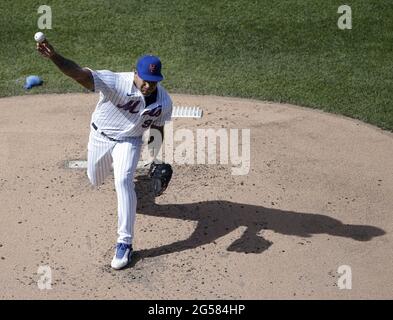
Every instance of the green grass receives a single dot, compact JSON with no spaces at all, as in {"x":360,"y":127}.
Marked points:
{"x":282,"y":50}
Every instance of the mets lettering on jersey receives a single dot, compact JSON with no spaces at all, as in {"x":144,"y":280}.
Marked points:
{"x":130,"y":106}
{"x":121,"y":111}
{"x":154,"y":112}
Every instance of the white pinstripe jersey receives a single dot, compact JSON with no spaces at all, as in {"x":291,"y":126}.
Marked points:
{"x":121,"y":110}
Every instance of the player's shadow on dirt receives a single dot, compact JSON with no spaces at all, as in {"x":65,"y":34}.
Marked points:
{"x":218,"y":218}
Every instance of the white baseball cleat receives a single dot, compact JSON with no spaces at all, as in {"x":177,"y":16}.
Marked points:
{"x":122,"y":256}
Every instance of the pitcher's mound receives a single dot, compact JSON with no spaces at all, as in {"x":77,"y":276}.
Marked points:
{"x":312,"y":214}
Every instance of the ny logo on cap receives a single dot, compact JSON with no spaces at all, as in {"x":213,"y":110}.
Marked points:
{"x":152,"y":68}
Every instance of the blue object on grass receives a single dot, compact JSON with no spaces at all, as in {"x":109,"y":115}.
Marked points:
{"x":32,"y":81}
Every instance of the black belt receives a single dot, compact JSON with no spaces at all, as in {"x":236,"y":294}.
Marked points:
{"x":103,"y":133}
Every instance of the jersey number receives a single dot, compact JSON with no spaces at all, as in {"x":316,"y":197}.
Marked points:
{"x":147,"y":123}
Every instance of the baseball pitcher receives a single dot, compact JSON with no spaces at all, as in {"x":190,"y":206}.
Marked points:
{"x":129,"y":104}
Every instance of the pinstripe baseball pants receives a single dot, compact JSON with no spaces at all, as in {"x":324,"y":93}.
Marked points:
{"x":124,"y":156}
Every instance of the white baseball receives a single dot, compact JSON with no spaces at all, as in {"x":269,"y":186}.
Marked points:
{"x":39,"y":37}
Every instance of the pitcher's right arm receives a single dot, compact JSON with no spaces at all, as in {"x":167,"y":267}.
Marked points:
{"x":81,"y":75}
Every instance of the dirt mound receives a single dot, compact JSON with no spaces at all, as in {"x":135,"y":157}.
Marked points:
{"x":318,"y":195}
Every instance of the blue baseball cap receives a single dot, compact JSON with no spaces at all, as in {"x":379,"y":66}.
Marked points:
{"x":149,"y":68}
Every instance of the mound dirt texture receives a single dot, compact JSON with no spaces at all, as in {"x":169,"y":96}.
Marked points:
{"x":318,"y":196}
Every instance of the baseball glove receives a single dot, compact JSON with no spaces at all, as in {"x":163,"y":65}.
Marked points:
{"x":161,"y":174}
